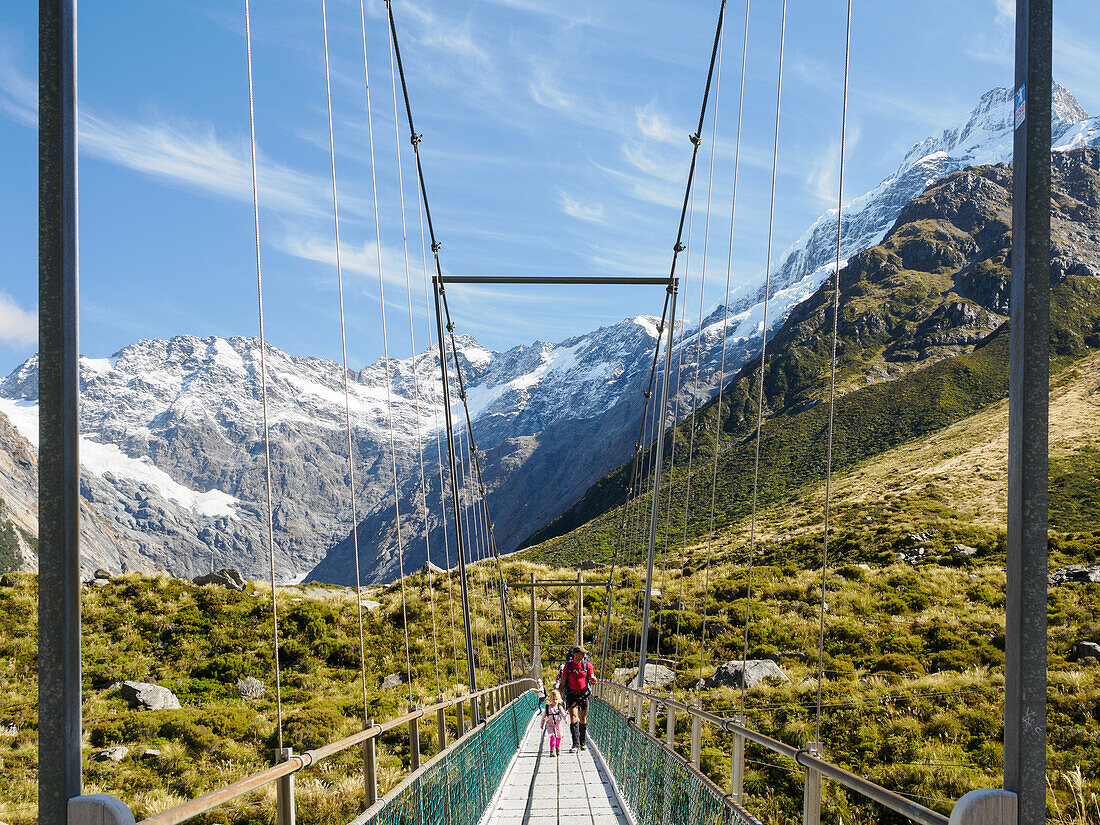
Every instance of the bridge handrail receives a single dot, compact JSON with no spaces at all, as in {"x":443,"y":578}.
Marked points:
{"x":202,"y":804}
{"x":803,"y":756}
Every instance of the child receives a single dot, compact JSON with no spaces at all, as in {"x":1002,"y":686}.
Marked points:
{"x":540,"y":692}
{"x":551,"y":721}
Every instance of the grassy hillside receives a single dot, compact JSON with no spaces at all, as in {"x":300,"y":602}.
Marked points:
{"x":921,"y":347}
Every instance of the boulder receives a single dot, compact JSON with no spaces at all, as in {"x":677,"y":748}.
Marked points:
{"x":249,"y":687}
{"x":225,"y":578}
{"x":369,"y":605}
{"x":9,"y":580}
{"x":395,"y":680}
{"x":151,"y":753}
{"x":963,"y":550}
{"x":656,"y":675}
{"x":431,"y":568}
{"x":753,"y":672}
{"x":1076,"y":574}
{"x":1082,"y":651}
{"x":102,"y":574}
{"x":149,"y":697}
{"x":115,"y":754}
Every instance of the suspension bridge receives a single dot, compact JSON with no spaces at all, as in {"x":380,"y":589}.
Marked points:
{"x":490,"y":762}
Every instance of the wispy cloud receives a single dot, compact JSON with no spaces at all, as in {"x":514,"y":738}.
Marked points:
{"x":591,"y":212}
{"x":188,"y":154}
{"x":17,"y":325}
{"x":653,"y":124}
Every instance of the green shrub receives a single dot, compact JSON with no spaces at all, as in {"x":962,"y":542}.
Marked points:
{"x":311,"y":727}
{"x":951,"y":660}
{"x":228,"y":667}
{"x":898,"y":664}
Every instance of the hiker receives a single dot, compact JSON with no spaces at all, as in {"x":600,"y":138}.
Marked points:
{"x":577,"y":677}
{"x":540,"y":692}
{"x":551,"y":721}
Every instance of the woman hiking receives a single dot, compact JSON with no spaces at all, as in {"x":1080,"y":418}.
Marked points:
{"x":576,"y":681}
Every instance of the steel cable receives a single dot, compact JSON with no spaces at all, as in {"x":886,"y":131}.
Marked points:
{"x":832,"y":376}
{"x":725,"y":310}
{"x":763,"y":346}
{"x":263,"y":377}
{"x":344,"y":355}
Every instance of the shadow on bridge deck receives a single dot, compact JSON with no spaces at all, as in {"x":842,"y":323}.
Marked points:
{"x":571,"y":789}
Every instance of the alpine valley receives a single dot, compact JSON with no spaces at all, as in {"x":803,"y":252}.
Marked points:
{"x":172,"y":446}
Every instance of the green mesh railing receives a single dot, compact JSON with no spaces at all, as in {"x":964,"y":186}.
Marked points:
{"x":456,"y":787}
{"x":657,"y":784}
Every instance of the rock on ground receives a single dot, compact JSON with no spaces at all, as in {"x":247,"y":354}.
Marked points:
{"x":394,"y":680}
{"x":115,"y":754}
{"x":1085,"y":650}
{"x":149,"y":697}
{"x":655,"y":675}
{"x":753,"y":672}
{"x":1076,"y":574}
{"x":226,"y":578}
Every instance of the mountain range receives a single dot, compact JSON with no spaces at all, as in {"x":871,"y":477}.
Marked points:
{"x":172,"y":449}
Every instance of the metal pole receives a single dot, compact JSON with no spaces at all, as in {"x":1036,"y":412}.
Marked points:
{"x":370,"y":769}
{"x":284,"y":791}
{"x":59,"y":759}
{"x":1029,"y":391}
{"x":658,"y":445}
{"x":580,"y":607}
{"x":437,"y":288}
{"x":811,"y":790}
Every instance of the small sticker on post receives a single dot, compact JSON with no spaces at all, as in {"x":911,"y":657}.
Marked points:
{"x":1021,"y":106}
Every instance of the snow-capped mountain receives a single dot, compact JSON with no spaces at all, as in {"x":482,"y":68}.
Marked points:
{"x":172,"y":447}
{"x":983,"y":137}
{"x":172,"y":442}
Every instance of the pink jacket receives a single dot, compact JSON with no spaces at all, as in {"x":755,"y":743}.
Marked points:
{"x":551,"y":719}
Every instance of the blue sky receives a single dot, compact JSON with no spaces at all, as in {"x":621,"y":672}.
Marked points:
{"x":555,"y":142}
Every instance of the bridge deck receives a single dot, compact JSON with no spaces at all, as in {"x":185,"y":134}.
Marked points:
{"x":571,"y":789}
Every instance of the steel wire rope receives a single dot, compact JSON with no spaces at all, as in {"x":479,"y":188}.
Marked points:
{"x":389,"y":403}
{"x":263,"y":378}
{"x":763,"y":347}
{"x":687,"y":476}
{"x":416,"y":390}
{"x":482,"y":519}
{"x":677,"y":248}
{"x":469,"y":538}
{"x":725,"y":323}
{"x":344,"y":356}
{"x":619,"y":546}
{"x":699,"y":352}
{"x":438,"y":447}
{"x":832,"y":378}
{"x":672,"y":450}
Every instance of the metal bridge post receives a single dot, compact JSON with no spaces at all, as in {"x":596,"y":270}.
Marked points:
{"x":1025,"y":736}
{"x":370,"y":769}
{"x":441,"y":724}
{"x":460,"y":718}
{"x":284,"y":793}
{"x":655,"y":511}
{"x":580,"y":607}
{"x":811,"y":795}
{"x":696,"y":739}
{"x":670,"y":727}
{"x":59,"y":710}
{"x":414,"y":739}
{"x":437,"y":288}
{"x":737,"y":763}
{"x":652,"y":716}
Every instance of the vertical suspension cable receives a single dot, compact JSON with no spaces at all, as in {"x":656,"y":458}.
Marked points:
{"x":725,"y":318}
{"x":344,"y":354}
{"x":382,"y":305}
{"x":436,"y":400}
{"x":763,"y":347}
{"x":263,"y":377}
{"x":389,"y":411}
{"x":699,"y":347}
{"x":832,"y":379}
